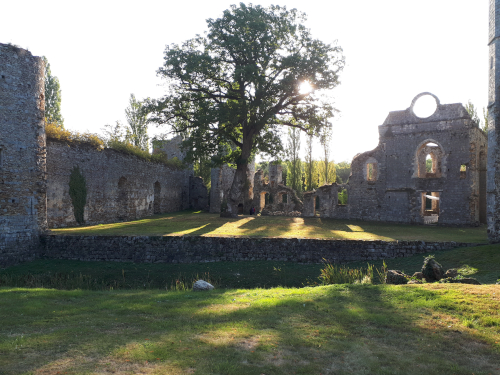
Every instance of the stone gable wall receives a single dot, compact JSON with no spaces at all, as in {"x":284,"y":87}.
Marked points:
{"x":22,"y":154}
{"x":395,"y":194}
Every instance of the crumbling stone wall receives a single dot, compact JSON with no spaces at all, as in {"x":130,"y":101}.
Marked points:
{"x":119,"y":186}
{"x":221,"y":181}
{"x":493,"y":174}
{"x":391,"y":183}
{"x":198,"y":194}
{"x":281,"y":199}
{"x":22,"y":154}
{"x":186,"y":249}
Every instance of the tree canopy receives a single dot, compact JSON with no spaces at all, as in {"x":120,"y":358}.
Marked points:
{"x":52,"y":97}
{"x":255,"y":70}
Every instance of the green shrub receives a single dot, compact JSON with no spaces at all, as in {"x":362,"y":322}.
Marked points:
{"x":78,"y":193}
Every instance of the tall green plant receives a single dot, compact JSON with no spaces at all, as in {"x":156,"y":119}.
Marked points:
{"x":52,"y":97}
{"x":78,"y":193}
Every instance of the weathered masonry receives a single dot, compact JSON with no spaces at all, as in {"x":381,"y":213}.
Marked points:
{"x":424,"y":170}
{"x":56,"y":184}
{"x":493,"y":122}
{"x":118,"y":186}
{"x":269,"y":198}
{"x":22,"y":154}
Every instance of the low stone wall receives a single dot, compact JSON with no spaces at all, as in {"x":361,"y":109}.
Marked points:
{"x":217,"y":249}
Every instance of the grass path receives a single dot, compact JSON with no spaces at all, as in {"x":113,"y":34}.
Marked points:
{"x":339,"y":329}
{"x":205,"y":224}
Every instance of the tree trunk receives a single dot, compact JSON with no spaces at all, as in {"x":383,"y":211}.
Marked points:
{"x":240,"y":189}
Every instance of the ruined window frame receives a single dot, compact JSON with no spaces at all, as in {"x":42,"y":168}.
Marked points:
{"x":463,"y":171}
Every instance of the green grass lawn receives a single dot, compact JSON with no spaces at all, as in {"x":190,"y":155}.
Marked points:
{"x":205,"y":224}
{"x":338,"y":329}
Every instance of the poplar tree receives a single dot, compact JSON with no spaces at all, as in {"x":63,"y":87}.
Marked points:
{"x":294,"y":175}
{"x":137,"y":132}
{"x":52,"y":97}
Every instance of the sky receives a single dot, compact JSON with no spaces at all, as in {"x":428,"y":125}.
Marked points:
{"x":103,"y":51}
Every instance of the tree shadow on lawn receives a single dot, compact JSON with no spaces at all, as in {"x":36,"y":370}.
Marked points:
{"x":341,"y":329}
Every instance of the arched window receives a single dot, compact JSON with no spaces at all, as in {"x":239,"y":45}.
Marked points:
{"x":430,"y":160}
{"x":371,"y":169}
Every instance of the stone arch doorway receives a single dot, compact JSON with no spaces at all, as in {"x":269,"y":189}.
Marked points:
{"x":157,"y":198}
{"x":122,"y":201}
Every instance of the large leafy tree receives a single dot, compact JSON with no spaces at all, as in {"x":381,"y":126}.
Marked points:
{"x":52,"y":97}
{"x":232,"y":89}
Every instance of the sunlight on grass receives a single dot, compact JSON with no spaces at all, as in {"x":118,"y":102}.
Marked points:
{"x":212,"y":225}
{"x":355,"y":228}
{"x":467,"y":270}
{"x":187,"y":231}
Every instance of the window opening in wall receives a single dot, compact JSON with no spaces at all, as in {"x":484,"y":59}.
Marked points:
{"x":342,"y":197}
{"x":157,"y":198}
{"x":430,"y":207}
{"x":463,"y":171}
{"x":371,"y":171}
{"x":429,"y":160}
{"x":425,"y":106}
{"x":428,"y":164}
{"x":316,"y":206}
{"x":267,"y":198}
{"x":263,"y":200}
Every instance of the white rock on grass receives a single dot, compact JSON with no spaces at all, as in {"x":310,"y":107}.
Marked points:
{"x":202,"y":285}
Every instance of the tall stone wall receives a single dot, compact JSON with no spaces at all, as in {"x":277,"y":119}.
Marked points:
{"x":493,"y":178}
{"x":22,"y":154}
{"x":119,"y":186}
{"x":391,"y":183}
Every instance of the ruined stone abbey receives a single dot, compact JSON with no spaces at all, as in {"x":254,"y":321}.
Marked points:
{"x":440,"y":169}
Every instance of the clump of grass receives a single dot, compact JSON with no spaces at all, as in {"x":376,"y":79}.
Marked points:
{"x":55,"y":132}
{"x":334,"y":274}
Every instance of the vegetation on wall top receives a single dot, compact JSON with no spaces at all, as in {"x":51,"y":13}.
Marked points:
{"x":54,"y":132}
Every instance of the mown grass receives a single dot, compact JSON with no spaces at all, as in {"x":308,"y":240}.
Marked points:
{"x":481,"y":262}
{"x":338,"y":329}
{"x":189,"y":223}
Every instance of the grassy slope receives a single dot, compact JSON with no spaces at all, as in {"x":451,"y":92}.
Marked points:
{"x":340,"y":329}
{"x":204,"y":224}
{"x":482,"y":262}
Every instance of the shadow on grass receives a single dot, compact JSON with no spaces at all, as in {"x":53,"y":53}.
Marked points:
{"x":205,"y":224}
{"x":339,"y":329}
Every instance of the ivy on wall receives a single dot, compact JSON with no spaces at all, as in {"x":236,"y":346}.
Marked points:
{"x":78,"y":193}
